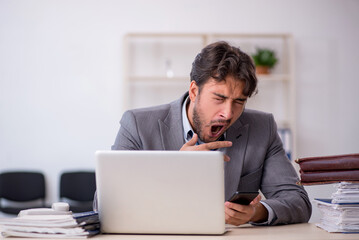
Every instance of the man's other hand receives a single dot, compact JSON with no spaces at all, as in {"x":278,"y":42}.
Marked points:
{"x":237,"y":214}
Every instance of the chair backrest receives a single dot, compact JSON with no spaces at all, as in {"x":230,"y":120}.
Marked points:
{"x":78,"y":186}
{"x":22,"y":186}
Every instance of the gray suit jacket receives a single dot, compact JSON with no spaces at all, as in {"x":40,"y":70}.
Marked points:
{"x":258,"y":160}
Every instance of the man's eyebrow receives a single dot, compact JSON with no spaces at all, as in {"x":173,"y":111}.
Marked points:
{"x":220,"y":95}
{"x":225,"y":97}
{"x":240,"y":99}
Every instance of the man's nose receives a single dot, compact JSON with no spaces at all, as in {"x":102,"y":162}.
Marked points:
{"x":227,"y":111}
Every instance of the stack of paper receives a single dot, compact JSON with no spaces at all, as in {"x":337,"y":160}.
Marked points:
{"x":346,"y":193}
{"x":78,"y":225}
{"x":341,"y":213}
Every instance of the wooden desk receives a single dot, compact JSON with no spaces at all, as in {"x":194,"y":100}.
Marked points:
{"x":304,"y":231}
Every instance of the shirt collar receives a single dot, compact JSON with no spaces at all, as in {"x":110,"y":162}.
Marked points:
{"x":187,"y":129}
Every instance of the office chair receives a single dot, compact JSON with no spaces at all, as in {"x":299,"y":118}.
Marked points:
{"x":19,"y":188}
{"x":78,"y":189}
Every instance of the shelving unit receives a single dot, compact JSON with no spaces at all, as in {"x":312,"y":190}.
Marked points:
{"x":157,"y":68}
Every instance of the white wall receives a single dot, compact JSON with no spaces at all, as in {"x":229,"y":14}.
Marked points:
{"x":61,"y":74}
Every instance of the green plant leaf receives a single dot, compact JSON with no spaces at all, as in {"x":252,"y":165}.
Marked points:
{"x":264,"y":57}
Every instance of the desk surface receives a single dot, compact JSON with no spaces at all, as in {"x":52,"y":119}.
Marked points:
{"x":304,"y":231}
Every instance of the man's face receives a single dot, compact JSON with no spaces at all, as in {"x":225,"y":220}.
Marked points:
{"x":216,"y":107}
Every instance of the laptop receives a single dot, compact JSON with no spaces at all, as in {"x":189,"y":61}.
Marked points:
{"x":160,"y":192}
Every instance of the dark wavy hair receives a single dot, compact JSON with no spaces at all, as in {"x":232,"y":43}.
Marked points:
{"x":219,"y":60}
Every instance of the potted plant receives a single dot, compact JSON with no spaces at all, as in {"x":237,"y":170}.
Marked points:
{"x":264,"y":59}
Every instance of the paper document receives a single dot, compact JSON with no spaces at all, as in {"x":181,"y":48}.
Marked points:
{"x":341,"y":212}
{"x":78,"y":225}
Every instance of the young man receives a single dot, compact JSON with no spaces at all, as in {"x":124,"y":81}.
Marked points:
{"x":212,"y":116}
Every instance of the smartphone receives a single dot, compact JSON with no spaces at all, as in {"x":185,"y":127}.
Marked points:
{"x":243,"y":198}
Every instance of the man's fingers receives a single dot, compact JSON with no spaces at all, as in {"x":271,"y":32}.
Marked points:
{"x":191,"y":146}
{"x":256,"y":200}
{"x":216,"y":145}
{"x":235,"y":206}
{"x":234,"y":216}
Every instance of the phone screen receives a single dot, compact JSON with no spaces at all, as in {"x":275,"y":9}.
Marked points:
{"x":243,"y":198}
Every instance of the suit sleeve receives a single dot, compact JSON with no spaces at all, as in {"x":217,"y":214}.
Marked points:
{"x":288,"y":200}
{"x":127,"y":137}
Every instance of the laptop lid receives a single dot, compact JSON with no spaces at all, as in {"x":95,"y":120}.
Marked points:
{"x":161,"y":192}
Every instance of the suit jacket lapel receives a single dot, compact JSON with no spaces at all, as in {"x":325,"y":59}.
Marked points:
{"x":238,"y":134}
{"x":171,"y":128}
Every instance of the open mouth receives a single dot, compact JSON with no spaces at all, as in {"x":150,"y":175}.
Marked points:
{"x":217,"y":130}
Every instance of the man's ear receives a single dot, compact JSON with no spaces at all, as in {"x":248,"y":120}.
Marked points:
{"x":193,"y":91}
